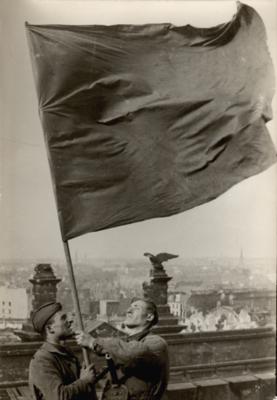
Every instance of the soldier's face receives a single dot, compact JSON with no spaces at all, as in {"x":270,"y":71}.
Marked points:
{"x":137,"y":315}
{"x":62,"y":325}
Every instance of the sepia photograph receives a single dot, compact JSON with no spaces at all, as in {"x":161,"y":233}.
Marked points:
{"x":138,"y":199}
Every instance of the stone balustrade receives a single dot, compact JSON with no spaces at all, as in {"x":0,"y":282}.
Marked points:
{"x":239,"y":363}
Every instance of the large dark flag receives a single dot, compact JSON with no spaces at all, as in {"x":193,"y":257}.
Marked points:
{"x":150,"y":120}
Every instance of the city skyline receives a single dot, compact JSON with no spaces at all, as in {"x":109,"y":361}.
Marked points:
{"x":242,"y":218}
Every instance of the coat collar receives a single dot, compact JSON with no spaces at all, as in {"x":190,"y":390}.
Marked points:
{"x":56,"y":348}
{"x":138,"y":336}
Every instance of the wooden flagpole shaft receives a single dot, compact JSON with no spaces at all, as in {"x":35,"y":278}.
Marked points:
{"x":75,"y":295}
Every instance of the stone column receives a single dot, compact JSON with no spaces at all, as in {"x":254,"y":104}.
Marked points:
{"x":44,"y":289}
{"x":44,"y":284}
{"x":156,"y":291}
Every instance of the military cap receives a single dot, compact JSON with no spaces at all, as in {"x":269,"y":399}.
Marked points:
{"x":43,"y":314}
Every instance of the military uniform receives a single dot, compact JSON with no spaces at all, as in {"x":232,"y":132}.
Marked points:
{"x":143,"y":361}
{"x":54,"y":375}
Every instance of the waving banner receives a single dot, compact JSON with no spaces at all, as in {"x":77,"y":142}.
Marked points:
{"x":151,"y":120}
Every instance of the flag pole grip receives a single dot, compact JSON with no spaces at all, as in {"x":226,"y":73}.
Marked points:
{"x":75,"y":295}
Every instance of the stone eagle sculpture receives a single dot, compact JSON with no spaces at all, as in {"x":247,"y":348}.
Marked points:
{"x":157,"y":260}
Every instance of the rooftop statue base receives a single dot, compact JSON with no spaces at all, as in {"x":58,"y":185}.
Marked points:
{"x":156,"y":291}
{"x":44,"y":289}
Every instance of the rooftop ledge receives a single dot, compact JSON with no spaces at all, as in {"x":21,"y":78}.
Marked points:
{"x":236,"y":334}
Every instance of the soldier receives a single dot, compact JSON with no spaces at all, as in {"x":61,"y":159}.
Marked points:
{"x":142,"y":358}
{"x":55,"y":373}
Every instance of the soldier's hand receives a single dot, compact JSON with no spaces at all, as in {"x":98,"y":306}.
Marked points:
{"x":84,"y":339}
{"x":88,"y":373}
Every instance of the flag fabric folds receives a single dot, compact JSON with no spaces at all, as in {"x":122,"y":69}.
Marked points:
{"x":145,"y":121}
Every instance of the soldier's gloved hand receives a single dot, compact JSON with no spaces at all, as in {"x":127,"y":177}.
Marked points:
{"x":88,"y":373}
{"x":84,"y":339}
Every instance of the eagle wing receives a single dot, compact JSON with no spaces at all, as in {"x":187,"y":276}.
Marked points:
{"x":161,"y":257}
{"x":148,"y":255}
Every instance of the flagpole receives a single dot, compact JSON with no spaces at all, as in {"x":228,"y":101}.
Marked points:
{"x":75,"y":295}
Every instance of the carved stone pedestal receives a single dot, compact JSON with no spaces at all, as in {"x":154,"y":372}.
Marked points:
{"x":156,"y":291}
{"x":44,"y":290}
{"x":44,"y":284}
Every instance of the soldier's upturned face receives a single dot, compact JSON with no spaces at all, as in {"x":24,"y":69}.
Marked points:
{"x":137,"y":315}
{"x":62,"y":325}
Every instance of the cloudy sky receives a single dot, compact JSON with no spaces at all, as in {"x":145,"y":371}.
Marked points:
{"x":242,"y":218}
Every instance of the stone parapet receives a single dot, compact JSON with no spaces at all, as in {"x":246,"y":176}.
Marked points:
{"x":222,"y":353}
{"x":193,"y":358}
{"x":248,"y":387}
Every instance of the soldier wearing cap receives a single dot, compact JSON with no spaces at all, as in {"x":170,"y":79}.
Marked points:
{"x":55,"y":373}
{"x":142,"y":358}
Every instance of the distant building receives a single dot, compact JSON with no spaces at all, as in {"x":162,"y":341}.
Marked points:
{"x":111,"y":311}
{"x":204,"y":300}
{"x":13,"y":303}
{"x":124,"y":304}
{"x":94,"y":308}
{"x":254,"y":300}
{"x":84,"y":298}
{"x":241,"y":260}
{"x":176,"y":308}
{"x":177,"y":303}
{"x":108,"y":308}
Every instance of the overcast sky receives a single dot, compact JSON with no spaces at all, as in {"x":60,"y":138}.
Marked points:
{"x":242,"y":218}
